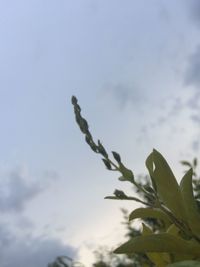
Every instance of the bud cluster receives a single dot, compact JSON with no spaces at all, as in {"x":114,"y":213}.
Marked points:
{"x":127,"y":175}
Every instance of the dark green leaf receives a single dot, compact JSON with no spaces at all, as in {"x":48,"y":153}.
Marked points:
{"x":107,"y":164}
{"x":102,"y":150}
{"x":195,"y":162}
{"x":186,"y":163}
{"x":120,"y":194}
{"x":126,"y":173}
{"x":116,"y":156}
{"x":74,"y":100}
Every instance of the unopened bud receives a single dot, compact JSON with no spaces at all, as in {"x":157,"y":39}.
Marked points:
{"x":116,"y":156}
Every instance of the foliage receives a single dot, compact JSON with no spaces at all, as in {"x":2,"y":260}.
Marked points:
{"x":61,"y":262}
{"x":64,"y":261}
{"x":174,"y":207}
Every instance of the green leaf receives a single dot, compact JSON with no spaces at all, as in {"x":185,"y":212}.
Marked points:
{"x":167,"y":187}
{"x":149,"y":189}
{"x":102,"y":150}
{"x":74,"y":100}
{"x":123,"y":179}
{"x":185,"y":264}
{"x":163,"y":242}
{"x":120,"y":194}
{"x":107,"y":164}
{"x":186,"y":163}
{"x":146,"y":230}
{"x":173,"y":230}
{"x":150,"y":166}
{"x":116,"y":156}
{"x":193,"y":216}
{"x":144,"y":213}
{"x":195,"y":162}
{"x":159,"y":259}
{"x":126,"y":173}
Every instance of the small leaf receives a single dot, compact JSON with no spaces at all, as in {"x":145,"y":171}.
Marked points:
{"x":87,"y":139}
{"x":111,"y":197}
{"x":107,"y":164}
{"x":186,"y":163}
{"x":74,"y":100}
{"x":93,"y":147}
{"x":116,"y":156}
{"x":90,"y":142}
{"x":126,"y":173}
{"x":120,"y":194}
{"x":195,"y":162}
{"x":122,"y":178}
{"x":102,"y":150}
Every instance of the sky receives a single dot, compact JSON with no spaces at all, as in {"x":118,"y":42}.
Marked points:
{"x":135,"y":69}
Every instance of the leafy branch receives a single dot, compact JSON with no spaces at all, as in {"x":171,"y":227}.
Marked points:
{"x":126,"y":174}
{"x":174,"y":204}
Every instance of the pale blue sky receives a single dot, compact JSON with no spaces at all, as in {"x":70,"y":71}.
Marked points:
{"x":135,"y":67}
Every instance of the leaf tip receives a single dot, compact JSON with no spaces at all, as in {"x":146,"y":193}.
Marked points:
{"x":74,"y":100}
{"x":117,"y":251}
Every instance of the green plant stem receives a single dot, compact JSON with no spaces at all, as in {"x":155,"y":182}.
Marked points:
{"x":129,"y":198}
{"x":182,"y":226}
{"x":139,"y":187}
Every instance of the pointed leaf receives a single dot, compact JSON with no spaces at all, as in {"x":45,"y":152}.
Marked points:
{"x":195,"y":162}
{"x":146,"y":230}
{"x":159,"y":243}
{"x":116,"y":156}
{"x":107,"y":164}
{"x":186,"y":163}
{"x":120,"y":194}
{"x":159,"y":259}
{"x":173,"y":230}
{"x":193,"y":215}
{"x":102,"y":150}
{"x":144,"y":213}
{"x":150,"y":166}
{"x":123,"y":179}
{"x":167,"y":186}
{"x":126,"y":173}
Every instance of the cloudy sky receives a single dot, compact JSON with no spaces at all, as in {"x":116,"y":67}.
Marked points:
{"x":135,"y":68}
